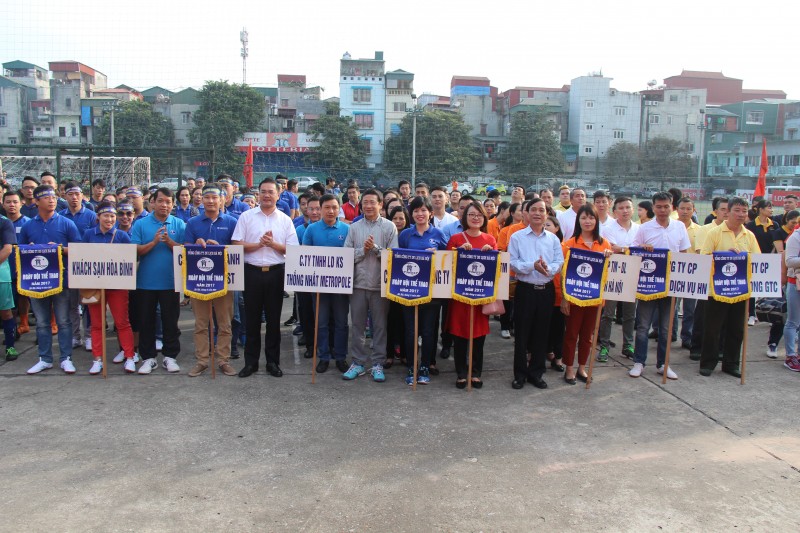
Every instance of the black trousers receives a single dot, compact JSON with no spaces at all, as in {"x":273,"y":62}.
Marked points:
{"x":447,"y":339}
{"x":305,"y":306}
{"x":461,"y":356}
{"x":264,"y":292}
{"x":731,"y":317}
{"x":533,"y":308}
{"x":147,"y":302}
{"x":555,"y":340}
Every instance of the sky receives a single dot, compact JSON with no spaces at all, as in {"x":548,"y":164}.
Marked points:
{"x":177,"y":44}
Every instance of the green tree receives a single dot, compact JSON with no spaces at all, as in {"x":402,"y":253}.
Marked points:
{"x":622,"y":159}
{"x":533,"y":146}
{"x":444,"y":145}
{"x":340,"y":148}
{"x":227,"y":111}
{"x":663,"y":157}
{"x":136,"y":125}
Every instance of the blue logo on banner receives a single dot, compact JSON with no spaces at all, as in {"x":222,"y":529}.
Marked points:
{"x":730,"y":276}
{"x":584,"y":275}
{"x":476,"y":276}
{"x":410,"y":276}
{"x":40,"y":270}
{"x":205,"y":272}
{"x":654,"y":273}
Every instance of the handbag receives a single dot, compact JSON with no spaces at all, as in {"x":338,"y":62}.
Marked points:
{"x":494,"y":308}
{"x":92,"y":296}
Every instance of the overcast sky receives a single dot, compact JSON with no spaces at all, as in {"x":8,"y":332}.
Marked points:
{"x":177,"y":44}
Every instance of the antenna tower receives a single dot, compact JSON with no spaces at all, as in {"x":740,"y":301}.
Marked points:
{"x":245,"y":53}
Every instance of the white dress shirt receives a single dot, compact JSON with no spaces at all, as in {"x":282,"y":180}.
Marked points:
{"x":618,"y":235}
{"x":440,"y":223}
{"x":253,"y":224}
{"x":526,"y":248}
{"x":567,"y":222}
{"x":674,"y":237}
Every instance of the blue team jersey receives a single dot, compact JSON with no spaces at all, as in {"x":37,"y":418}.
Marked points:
{"x":321,"y":234}
{"x":431,"y":238}
{"x":155,"y":267}
{"x":202,"y":227}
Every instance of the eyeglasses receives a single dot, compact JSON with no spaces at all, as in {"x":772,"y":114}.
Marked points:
{"x":124,"y":214}
{"x":475,"y":215}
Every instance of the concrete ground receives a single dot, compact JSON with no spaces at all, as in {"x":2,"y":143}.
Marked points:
{"x":172,"y":453}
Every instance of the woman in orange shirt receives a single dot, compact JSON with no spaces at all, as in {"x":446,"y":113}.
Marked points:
{"x":581,"y":320}
{"x":496,"y":222}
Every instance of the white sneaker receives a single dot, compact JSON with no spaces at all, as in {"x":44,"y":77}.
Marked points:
{"x":148,"y":366}
{"x":636,"y":371}
{"x":752,"y":321}
{"x":130,"y":366}
{"x":670,"y":373}
{"x":97,"y":367}
{"x":38,"y":367}
{"x":120,"y":357}
{"x":76,"y":342}
{"x":88,"y":344}
{"x":506,"y":334}
{"x":136,"y":358}
{"x":170,"y":365}
{"x":772,"y":351}
{"x":159,"y":345}
{"x":67,"y":366}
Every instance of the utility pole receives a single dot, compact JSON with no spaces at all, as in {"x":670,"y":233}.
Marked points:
{"x":244,"y":54}
{"x":702,"y":127}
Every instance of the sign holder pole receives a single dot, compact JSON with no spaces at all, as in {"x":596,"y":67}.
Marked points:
{"x":744,"y":342}
{"x":471,"y":340}
{"x":102,"y":329}
{"x":316,"y":333}
{"x":594,"y":345}
{"x":669,"y":339}
{"x":416,"y":346}
{"x":211,"y":339}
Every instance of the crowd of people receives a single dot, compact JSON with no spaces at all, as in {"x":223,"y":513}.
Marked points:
{"x":536,"y":228}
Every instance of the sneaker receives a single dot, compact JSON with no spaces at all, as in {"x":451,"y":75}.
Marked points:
{"x":354,"y":371}
{"x":97,"y":367}
{"x":792,"y":363}
{"x":602,"y":355}
{"x":423,"y":376}
{"x":505,"y":334}
{"x":636,"y":371}
{"x":170,"y":365}
{"x":159,"y":345}
{"x":196,"y":370}
{"x":772,"y":351}
{"x":11,"y":354}
{"x":410,"y":377}
{"x":227,"y":369}
{"x":119,"y":358}
{"x":148,"y":365}
{"x":41,"y":365}
{"x":752,"y":321}
{"x":88,"y":344}
{"x":627,"y":351}
{"x":342,"y":366}
{"x":67,"y":366}
{"x":130,"y":366}
{"x":76,"y":342}
{"x":670,"y":373}
{"x":377,"y":374}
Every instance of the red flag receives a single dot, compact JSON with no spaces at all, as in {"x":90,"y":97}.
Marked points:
{"x":761,"y":185}
{"x":248,"y":166}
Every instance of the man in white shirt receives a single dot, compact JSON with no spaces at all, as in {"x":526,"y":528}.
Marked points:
{"x":620,"y":232}
{"x":441,"y":218}
{"x":662,"y":232}
{"x":602,"y":202}
{"x":264,"y":232}
{"x":577,"y":198}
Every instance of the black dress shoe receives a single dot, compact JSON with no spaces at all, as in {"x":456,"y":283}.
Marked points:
{"x":308,"y":354}
{"x":285,"y":294}
{"x":274,"y":370}
{"x":539,"y":383}
{"x":445,"y":353}
{"x":581,"y":377}
{"x":569,"y":381}
{"x":735,"y":372}
{"x":235,"y":355}
{"x":557,"y":367}
{"x":322,"y":366}
{"x":461,"y":383}
{"x":686,"y":345}
{"x":694,"y":356}
{"x":517,"y":384}
{"x":292,"y":320}
{"x":248,"y":370}
{"x":342,"y":365}
{"x":302,"y":341}
{"x":433,"y":370}
{"x":706,"y":372}
{"x":477,"y":384}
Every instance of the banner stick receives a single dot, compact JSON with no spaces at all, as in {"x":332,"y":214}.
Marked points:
{"x":102,"y":329}
{"x":669,"y":339}
{"x":211,"y":340}
{"x":471,"y":328}
{"x":416,"y":346}
{"x":744,"y":340}
{"x":594,"y":345}
{"x":316,"y":333}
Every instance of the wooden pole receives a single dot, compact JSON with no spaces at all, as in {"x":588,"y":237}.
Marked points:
{"x":416,"y":345}
{"x":211,"y":340}
{"x":102,"y":329}
{"x":744,"y":340}
{"x":669,"y":339}
{"x":316,"y":333}
{"x":469,"y":360}
{"x":594,"y":344}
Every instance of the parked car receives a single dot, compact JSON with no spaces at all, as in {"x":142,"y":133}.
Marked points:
{"x":492,"y":185}
{"x":304,"y":182}
{"x":463,"y":186}
{"x":169,"y":183}
{"x":624,"y":191}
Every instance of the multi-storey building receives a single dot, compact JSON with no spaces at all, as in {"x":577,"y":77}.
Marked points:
{"x":15,"y":124}
{"x":476,"y":100}
{"x":362,"y":96}
{"x":676,"y":114}
{"x":399,"y":91}
{"x":298,"y":105}
{"x":71,"y":83}
{"x":720,"y":89}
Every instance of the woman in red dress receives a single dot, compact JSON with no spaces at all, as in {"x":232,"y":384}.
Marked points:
{"x":474,"y":219}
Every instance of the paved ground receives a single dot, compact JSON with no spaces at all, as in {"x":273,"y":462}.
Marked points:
{"x":169,"y":452}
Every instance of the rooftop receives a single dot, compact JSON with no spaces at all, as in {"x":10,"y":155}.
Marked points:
{"x":703,"y":74}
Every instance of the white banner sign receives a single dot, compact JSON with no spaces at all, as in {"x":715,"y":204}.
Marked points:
{"x":325,"y":269}
{"x":443,"y":281}
{"x":235,"y":267}
{"x":101,"y":266}
{"x":622,"y":278}
{"x":689,"y":276}
{"x":765,"y":275}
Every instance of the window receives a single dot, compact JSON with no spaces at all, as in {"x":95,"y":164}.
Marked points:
{"x":669,"y":120}
{"x":62,"y":131}
{"x":654,"y":119}
{"x":362,"y":96}
{"x":3,"y":120}
{"x":364,"y":121}
{"x":12,"y":140}
{"x":404,"y":84}
{"x":673,"y":98}
{"x":400,"y":106}
{"x":755,"y":117}
{"x":73,"y":130}
{"x":483,"y":129}
{"x":588,"y":127}
{"x":186,"y":117}
{"x":619,"y":111}
{"x":691,"y":147}
{"x":587,"y":149}
{"x":589,"y":103}
{"x":619,"y":134}
{"x":367,"y":143}
{"x":284,"y":102}
{"x":695,"y":100}
{"x":68,"y":103}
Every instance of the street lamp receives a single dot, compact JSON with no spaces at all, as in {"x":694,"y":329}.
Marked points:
{"x":111,"y":106}
{"x":415,"y":111}
{"x":702,"y":127}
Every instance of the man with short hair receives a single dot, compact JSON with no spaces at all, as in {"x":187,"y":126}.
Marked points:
{"x":288,"y":196}
{"x":47,"y":178}
{"x":602,"y":202}
{"x":350,"y":210}
{"x":156,"y":235}
{"x":233,"y":206}
{"x":547,"y":196}
{"x":455,"y":197}
{"x":405,"y":192}
{"x":662,"y":232}
{"x":330,"y":187}
{"x":517,"y":194}
{"x":789,"y":204}
{"x":136,"y":198}
{"x":441,"y":218}
{"x":29,"y":208}
{"x":564,"y":203}
{"x":302,"y":202}
{"x":48,"y":227}
{"x":577,"y":198}
{"x":98,"y":191}
{"x":368,"y":237}
{"x":422,"y":189}
{"x":212,"y":227}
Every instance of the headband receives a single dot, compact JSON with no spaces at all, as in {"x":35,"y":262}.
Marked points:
{"x":212,"y":190}
{"x":45,"y":193}
{"x":107,"y":209}
{"x":74,"y":189}
{"x":133,"y":191}
{"x":125,"y":207}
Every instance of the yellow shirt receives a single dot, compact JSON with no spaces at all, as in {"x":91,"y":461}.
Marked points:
{"x":674,"y":215}
{"x":722,"y":239}
{"x":700,"y":235}
{"x":558,"y":208}
{"x":692,"y":231}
